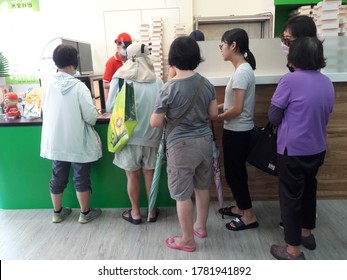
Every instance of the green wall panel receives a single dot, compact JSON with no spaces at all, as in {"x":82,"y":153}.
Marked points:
{"x":296,"y":2}
{"x":24,"y":175}
{"x":300,"y":2}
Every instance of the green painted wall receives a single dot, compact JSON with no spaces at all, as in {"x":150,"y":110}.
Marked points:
{"x":24,"y":175}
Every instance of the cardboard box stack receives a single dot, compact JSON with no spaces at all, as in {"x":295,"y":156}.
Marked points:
{"x":144,"y":30}
{"x":327,"y":20}
{"x":343,"y":20}
{"x":180,"y":30}
{"x":157,"y":45}
{"x":303,"y":10}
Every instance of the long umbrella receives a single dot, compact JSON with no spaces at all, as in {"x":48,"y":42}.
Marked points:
{"x":156,"y":176}
{"x":217,"y":169}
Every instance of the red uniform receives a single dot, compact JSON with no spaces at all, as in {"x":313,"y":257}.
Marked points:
{"x":112,"y":65}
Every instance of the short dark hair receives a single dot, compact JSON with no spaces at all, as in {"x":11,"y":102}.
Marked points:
{"x":184,"y":53}
{"x":125,"y":44}
{"x":307,"y":53}
{"x":197,"y":35}
{"x":65,"y":55}
{"x":301,"y":26}
{"x":240,"y":37}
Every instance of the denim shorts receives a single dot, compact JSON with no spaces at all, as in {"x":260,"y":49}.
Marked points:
{"x":189,"y":166}
{"x":135,"y":157}
{"x":61,"y":172}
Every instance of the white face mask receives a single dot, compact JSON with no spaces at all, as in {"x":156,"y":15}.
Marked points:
{"x":123,"y":52}
{"x":285,"y":48}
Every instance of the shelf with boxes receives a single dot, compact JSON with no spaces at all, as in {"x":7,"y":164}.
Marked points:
{"x":285,"y":8}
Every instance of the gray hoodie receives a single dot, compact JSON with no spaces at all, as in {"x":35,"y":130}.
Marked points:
{"x":68,"y":119}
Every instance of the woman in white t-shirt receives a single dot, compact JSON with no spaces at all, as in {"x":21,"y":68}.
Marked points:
{"x":238,"y":109}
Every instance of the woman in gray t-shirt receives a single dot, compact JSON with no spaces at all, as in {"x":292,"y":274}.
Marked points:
{"x":189,"y":145}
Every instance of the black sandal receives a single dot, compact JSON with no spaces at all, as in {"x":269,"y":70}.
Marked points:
{"x":130,"y":218}
{"x":240,"y":225}
{"x":227,"y":211}
{"x":154,"y":219}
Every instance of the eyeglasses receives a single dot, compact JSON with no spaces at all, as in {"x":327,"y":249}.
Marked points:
{"x":221,"y":45}
{"x":287,"y":40}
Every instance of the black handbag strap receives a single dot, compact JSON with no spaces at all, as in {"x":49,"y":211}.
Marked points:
{"x":195,"y":98}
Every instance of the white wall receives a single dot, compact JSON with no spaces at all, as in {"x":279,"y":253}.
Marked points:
{"x":25,"y":35}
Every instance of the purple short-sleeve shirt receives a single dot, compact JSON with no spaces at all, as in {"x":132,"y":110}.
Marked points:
{"x":307,"y":98}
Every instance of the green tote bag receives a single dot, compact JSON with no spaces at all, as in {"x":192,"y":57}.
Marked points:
{"x":123,"y":119}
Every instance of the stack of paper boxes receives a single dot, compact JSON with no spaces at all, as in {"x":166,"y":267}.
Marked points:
{"x":157,"y":45}
{"x":303,"y":10}
{"x":180,"y":30}
{"x":144,"y":30}
{"x":327,"y":20}
{"x":343,"y":20}
{"x":331,"y":22}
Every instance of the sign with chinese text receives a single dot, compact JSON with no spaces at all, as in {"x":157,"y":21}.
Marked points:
{"x":12,"y":5}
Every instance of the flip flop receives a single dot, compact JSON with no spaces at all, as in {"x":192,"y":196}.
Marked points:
{"x":170,"y":243}
{"x":154,"y":219}
{"x":198,"y":234}
{"x":227,"y":211}
{"x":130,"y":218}
{"x":240,"y":225}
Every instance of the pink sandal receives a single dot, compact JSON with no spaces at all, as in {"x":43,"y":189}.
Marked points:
{"x":198,"y":234}
{"x":170,"y":243}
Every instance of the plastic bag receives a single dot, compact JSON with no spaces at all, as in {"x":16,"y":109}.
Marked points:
{"x":123,"y":119}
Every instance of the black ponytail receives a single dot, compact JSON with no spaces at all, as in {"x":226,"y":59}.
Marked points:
{"x":240,"y":37}
{"x":250,"y":59}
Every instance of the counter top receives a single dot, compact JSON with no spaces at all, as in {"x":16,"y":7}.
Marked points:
{"x":266,"y":79}
{"x":223,"y":79}
{"x":102,"y":119}
{"x":19,"y":121}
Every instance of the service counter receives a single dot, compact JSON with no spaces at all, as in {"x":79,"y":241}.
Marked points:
{"x":332,"y":176}
{"x":24,"y":175}
{"x":271,"y":61}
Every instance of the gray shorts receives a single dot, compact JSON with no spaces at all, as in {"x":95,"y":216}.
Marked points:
{"x":60,"y":176}
{"x":189,"y":166}
{"x":134,"y":157}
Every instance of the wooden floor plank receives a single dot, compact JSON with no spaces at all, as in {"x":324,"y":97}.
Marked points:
{"x":30,"y":234}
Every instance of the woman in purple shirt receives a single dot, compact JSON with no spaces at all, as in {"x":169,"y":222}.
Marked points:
{"x":300,"y":107}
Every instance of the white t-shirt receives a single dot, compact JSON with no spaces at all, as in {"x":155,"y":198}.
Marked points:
{"x":243,"y":78}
